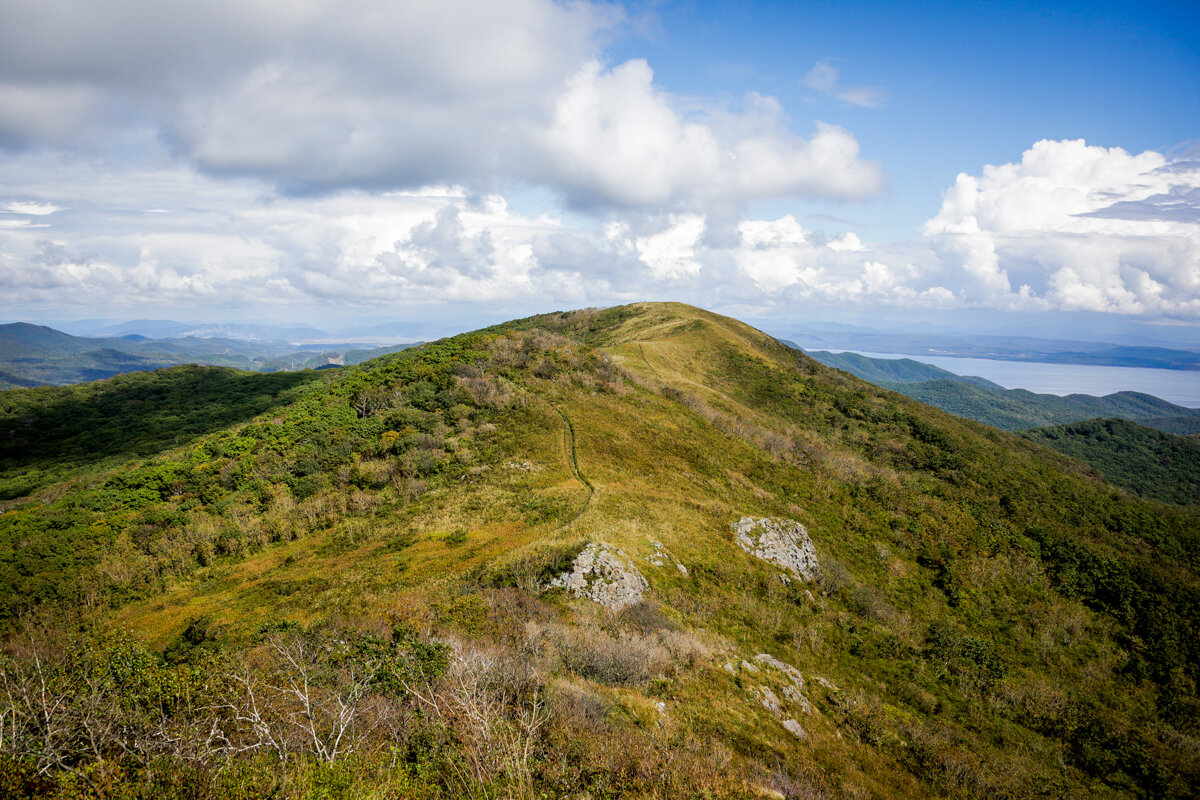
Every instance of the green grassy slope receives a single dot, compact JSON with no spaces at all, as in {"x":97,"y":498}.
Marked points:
{"x":990,"y":622}
{"x":1144,"y":461}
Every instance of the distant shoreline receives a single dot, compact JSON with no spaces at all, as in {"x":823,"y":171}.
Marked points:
{"x":1178,"y":386}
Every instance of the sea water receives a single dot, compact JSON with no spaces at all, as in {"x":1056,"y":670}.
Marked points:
{"x":1181,"y":387}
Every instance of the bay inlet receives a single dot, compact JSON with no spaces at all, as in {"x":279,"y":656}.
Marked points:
{"x":1175,"y":386}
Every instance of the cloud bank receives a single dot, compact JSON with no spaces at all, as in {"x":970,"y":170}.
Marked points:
{"x":1076,"y":227}
{"x":376,"y":154}
{"x":1068,"y":227}
{"x":319,"y":96}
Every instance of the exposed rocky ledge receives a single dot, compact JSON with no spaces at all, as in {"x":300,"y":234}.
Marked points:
{"x":792,"y":690}
{"x":783,"y":542}
{"x":604,"y":575}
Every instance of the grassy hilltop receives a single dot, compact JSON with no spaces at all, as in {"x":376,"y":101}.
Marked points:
{"x":336,"y":583}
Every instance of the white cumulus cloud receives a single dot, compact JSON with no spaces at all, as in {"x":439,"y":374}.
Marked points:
{"x":1076,"y":227}
{"x":320,"y":96}
{"x":671,"y":254}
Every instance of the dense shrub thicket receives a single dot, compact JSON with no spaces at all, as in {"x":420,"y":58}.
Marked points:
{"x":323,"y":711}
{"x":1141,"y":460}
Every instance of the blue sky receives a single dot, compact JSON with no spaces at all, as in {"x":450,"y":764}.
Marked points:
{"x":966,"y":83}
{"x":335,"y":163}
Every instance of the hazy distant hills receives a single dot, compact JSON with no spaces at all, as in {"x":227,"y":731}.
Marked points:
{"x":1010,"y":409}
{"x":1006,"y":348}
{"x":298,"y":334}
{"x":35,"y":355}
{"x":172,"y":329}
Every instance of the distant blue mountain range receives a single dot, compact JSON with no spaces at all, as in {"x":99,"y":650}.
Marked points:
{"x":35,"y":355}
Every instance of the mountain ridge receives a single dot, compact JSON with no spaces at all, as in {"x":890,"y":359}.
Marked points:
{"x":35,"y":355}
{"x":990,"y":620}
{"x":900,"y":370}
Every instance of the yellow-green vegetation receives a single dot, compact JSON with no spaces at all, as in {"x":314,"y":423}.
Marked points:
{"x":343,"y":589}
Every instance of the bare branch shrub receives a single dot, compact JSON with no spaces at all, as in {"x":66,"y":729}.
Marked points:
{"x":305,"y":695}
{"x":64,"y":704}
{"x":497,"y":709}
{"x":624,"y":658}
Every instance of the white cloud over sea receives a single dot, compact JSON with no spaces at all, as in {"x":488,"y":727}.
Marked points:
{"x":1076,"y":227}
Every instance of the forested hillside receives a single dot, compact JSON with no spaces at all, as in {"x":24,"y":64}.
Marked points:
{"x":1144,"y":461}
{"x":641,"y":552}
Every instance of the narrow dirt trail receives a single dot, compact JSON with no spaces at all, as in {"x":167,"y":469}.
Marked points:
{"x":573,"y":463}
{"x":646,"y":361}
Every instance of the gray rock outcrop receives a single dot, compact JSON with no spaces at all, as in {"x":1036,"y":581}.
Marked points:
{"x":769,"y":700}
{"x":794,"y":728}
{"x":772,"y":704}
{"x":794,"y":692}
{"x":793,"y":696}
{"x":783,"y":542}
{"x":604,"y":575}
{"x":787,"y":669}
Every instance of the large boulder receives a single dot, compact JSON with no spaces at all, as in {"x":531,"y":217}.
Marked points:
{"x":783,"y":542}
{"x":604,"y":575}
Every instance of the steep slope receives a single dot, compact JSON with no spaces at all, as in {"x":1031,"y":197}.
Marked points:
{"x":48,"y":434}
{"x":981,"y":619}
{"x":1144,"y":461}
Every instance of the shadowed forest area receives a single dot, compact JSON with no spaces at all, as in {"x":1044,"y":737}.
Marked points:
{"x":47,"y":431}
